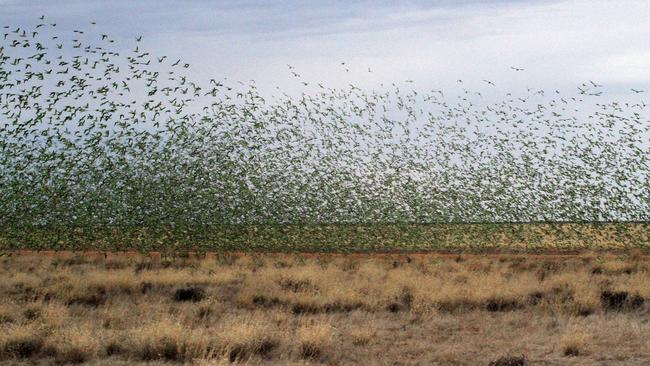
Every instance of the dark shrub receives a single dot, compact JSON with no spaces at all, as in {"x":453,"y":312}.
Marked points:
{"x":308,"y":350}
{"x":23,"y":347}
{"x":497,"y":304}
{"x":193,"y":294}
{"x":71,"y":356}
{"x":145,"y":287}
{"x":113,"y":348}
{"x":620,"y":300}
{"x":266,"y":302}
{"x":394,"y":307}
{"x":93,"y":298}
{"x":510,"y":361}
{"x":305,"y":308}
{"x":31,"y":314}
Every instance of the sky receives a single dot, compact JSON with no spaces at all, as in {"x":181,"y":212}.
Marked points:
{"x":559,"y":44}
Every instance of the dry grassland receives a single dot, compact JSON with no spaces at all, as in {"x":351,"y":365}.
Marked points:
{"x":326,"y":309}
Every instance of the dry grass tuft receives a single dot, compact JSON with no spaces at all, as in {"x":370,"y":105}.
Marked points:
{"x":314,"y":340}
{"x":352,"y":309}
{"x":362,"y":337}
{"x":20,"y":342}
{"x":573,"y":342}
{"x":169,"y":341}
{"x":243,"y":339}
{"x":74,"y":345}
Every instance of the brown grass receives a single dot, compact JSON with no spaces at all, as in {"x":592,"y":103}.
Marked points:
{"x":321,"y":309}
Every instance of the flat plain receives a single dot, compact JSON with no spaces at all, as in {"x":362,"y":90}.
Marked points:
{"x":335,"y":309}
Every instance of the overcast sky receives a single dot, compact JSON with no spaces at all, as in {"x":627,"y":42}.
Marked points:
{"x":559,"y":43}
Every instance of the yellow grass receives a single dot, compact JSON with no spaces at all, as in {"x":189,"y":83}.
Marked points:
{"x":325,"y":309}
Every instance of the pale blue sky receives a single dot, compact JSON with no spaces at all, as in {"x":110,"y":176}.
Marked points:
{"x":558,"y":43}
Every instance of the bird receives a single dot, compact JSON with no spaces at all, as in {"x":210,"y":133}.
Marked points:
{"x":94,"y":138}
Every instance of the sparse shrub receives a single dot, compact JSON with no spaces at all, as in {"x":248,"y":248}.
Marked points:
{"x":241,"y":339}
{"x":620,"y":300}
{"x":614,"y":268}
{"x":304,"y":307}
{"x":93,"y":297}
{"x":204,"y":312}
{"x":296,"y":285}
{"x":509,"y":361}
{"x":164,"y":347}
{"x":146,"y":287}
{"x":394,"y":307}
{"x":5,"y":319}
{"x":225,"y":259}
{"x":314,"y":340}
{"x":456,"y":305}
{"x":143,"y":266}
{"x":113,"y":348}
{"x":535,"y":297}
{"x":169,"y":340}
{"x":403,"y":303}
{"x":71,"y":355}
{"x":341,"y":306}
{"x":31,"y":313}
{"x":73,"y":345}
{"x":20,"y":343}
{"x":194,"y":294}
{"x":573,"y":342}
{"x":361,"y":337}
{"x":265,"y":301}
{"x":496,"y":304}
{"x":115,"y":264}
{"x":571,"y":350}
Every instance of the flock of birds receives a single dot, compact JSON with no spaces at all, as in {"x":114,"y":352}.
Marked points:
{"x":91,"y":137}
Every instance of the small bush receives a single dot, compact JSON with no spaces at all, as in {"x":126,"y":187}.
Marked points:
{"x":73,"y":345}
{"x":22,"y":346}
{"x":305,"y":308}
{"x":243,"y":339}
{"x":314,"y":340}
{"x":243,"y":351}
{"x":535,"y":297}
{"x":71,"y":355}
{"x":6,"y":319}
{"x":394,"y":307}
{"x":92,"y":297}
{"x":500,"y":304}
{"x":620,"y":300}
{"x":194,"y":294}
{"x":31,"y":314}
{"x":166,"y":340}
{"x":113,"y":348}
{"x":510,"y":361}
{"x":264,"y":301}
{"x":146,"y":287}
{"x":573,"y":343}
{"x":361,"y":337}
{"x":296,"y":285}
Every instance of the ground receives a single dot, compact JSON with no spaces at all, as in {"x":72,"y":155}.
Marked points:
{"x":371,"y":309}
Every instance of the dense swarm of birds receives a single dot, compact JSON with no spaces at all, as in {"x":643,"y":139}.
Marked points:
{"x":93,"y":140}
